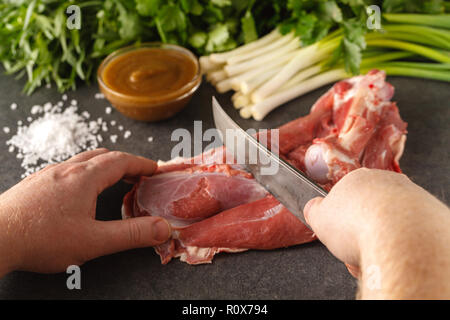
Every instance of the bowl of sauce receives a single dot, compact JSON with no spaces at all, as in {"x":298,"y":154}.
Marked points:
{"x":150,"y":81}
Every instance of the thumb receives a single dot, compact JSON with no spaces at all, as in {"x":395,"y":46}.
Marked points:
{"x":120,"y":235}
{"x":332,"y":229}
{"x":311,"y":213}
{"x":355,"y":271}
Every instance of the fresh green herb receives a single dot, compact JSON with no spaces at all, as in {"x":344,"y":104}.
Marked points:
{"x":415,"y":6}
{"x":35,"y":41}
{"x":248,"y":27}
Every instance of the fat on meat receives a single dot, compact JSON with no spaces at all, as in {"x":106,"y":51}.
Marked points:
{"x":215,"y":206}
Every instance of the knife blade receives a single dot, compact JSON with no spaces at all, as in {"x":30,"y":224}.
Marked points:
{"x":287,"y":184}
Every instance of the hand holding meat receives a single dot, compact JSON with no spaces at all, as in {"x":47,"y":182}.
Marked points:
{"x":392,"y":234}
{"x":47,"y":221}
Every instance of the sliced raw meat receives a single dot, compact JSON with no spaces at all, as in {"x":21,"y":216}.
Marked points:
{"x":262,"y":224}
{"x":216,"y":207}
{"x":196,"y":193}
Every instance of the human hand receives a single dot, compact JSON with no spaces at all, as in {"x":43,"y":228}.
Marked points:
{"x":47,"y":221}
{"x":377,"y":220}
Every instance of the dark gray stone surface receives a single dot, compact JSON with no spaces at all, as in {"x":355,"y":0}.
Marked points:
{"x":302,"y":272}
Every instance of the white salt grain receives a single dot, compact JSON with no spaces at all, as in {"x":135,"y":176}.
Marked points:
{"x":73,"y":102}
{"x":13,"y":106}
{"x":120,"y":128}
{"x":108,"y":110}
{"x":113,"y":123}
{"x":64,"y":97}
{"x":127,"y":134}
{"x":29,"y":119}
{"x":36,"y":109}
{"x":93,"y":124}
{"x":6,"y":130}
{"x":150,"y":139}
{"x":113,"y":138}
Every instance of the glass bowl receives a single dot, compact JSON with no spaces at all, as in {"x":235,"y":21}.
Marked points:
{"x":150,"y":108}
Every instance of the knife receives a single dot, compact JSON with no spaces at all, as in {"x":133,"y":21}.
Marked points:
{"x":288,"y":185}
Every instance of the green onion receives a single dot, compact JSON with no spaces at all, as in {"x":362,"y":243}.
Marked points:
{"x":411,"y":71}
{"x":402,"y":45}
{"x":434,"y":20}
{"x":419,"y":31}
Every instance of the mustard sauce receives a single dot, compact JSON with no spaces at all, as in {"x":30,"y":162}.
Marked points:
{"x":149,"y":72}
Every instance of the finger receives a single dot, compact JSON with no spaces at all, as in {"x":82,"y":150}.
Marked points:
{"x":354,"y":270}
{"x":120,"y":235}
{"x":85,"y":156}
{"x":107,"y":169}
{"x":332,"y":229}
{"x":311,"y":209}
{"x":131,"y":180}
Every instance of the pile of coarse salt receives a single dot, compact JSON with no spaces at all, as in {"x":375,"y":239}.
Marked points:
{"x":56,"y":135}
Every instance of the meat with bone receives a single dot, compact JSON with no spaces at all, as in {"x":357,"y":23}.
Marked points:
{"x":215,"y":207}
{"x":355,"y":124}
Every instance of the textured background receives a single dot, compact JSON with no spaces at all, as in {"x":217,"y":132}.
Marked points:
{"x":302,"y":272}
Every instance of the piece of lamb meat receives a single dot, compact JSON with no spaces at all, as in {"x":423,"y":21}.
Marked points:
{"x":213,"y":208}
{"x":262,"y":224}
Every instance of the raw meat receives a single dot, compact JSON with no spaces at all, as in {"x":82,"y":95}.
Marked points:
{"x":354,"y":124}
{"x":193,"y":194}
{"x":213,"y":208}
{"x":262,"y":224}
{"x":216,"y":207}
